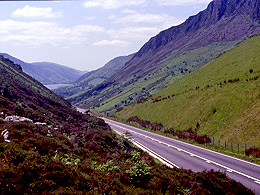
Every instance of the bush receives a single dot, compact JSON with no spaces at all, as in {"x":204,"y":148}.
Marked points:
{"x":146,"y":124}
{"x":253,"y":152}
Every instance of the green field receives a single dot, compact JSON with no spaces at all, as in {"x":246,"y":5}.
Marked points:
{"x":223,"y":96}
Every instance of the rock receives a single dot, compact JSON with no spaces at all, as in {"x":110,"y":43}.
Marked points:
{"x":15,"y":118}
{"x":5,"y":134}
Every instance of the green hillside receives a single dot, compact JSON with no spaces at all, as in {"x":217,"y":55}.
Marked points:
{"x":57,"y":150}
{"x":223,"y":96}
{"x":107,"y":97}
{"x":173,"y":53}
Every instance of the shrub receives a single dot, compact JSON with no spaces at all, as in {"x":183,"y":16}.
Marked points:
{"x":254,"y":152}
{"x":146,"y":124}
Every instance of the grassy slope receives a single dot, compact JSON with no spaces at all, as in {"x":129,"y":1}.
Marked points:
{"x":173,"y":67}
{"x":226,"y":110}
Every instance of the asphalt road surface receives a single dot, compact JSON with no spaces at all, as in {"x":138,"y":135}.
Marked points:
{"x":179,"y":154}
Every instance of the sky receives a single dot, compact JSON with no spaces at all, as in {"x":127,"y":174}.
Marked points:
{"x":86,"y":34}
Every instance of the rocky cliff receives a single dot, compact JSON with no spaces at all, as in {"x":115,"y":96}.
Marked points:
{"x":222,"y":21}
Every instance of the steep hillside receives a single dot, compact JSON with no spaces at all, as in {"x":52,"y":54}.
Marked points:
{"x":175,"y":52}
{"x":221,"y":99}
{"x":107,"y":70}
{"x":48,"y":73}
{"x":57,"y":150}
{"x":93,"y":78}
{"x":222,"y":21}
{"x":19,"y":87}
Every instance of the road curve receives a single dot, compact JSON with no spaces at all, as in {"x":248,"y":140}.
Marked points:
{"x":183,"y":155}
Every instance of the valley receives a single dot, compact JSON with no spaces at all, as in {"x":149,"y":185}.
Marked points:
{"x":59,"y":150}
{"x":188,"y":89}
{"x":48,"y":73}
{"x":170,"y":55}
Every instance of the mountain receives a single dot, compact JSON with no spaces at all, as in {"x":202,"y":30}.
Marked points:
{"x":220,"y":99}
{"x":222,"y":21}
{"x":57,"y":150}
{"x":107,"y":70}
{"x":17,"y":87}
{"x":48,"y":73}
{"x":175,"y":52}
{"x":94,"y":78}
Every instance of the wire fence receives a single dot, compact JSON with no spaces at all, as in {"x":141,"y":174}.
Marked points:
{"x":215,"y":142}
{"x":230,"y":146}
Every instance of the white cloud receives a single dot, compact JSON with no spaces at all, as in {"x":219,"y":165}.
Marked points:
{"x":12,"y":25}
{"x":90,"y":18}
{"x":45,"y":33}
{"x":84,"y":29}
{"x":134,"y":32}
{"x":112,"y":17}
{"x":112,"y":4}
{"x":35,"y":12}
{"x":32,"y":33}
{"x":181,"y":2}
{"x":128,"y":11}
{"x":120,"y":43}
{"x":3,"y":31}
{"x":145,"y":18}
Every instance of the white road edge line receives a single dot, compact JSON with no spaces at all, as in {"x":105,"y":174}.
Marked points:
{"x":194,"y":155}
{"x":193,"y":145}
{"x":152,"y":153}
{"x":155,"y":155}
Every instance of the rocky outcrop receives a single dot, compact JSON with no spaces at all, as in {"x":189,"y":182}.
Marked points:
{"x":5,"y":134}
{"x":15,"y":118}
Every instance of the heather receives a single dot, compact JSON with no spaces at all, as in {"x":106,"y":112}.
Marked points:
{"x":40,"y":160}
{"x":58,"y":150}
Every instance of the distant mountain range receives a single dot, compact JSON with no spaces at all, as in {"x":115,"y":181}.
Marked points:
{"x":94,"y":78}
{"x":24,"y":96}
{"x":48,"y":73}
{"x":173,"y":53}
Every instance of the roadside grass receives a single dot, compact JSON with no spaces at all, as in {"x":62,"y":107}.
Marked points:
{"x":211,"y":146}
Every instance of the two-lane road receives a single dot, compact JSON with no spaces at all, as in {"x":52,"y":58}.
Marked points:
{"x":187,"y":156}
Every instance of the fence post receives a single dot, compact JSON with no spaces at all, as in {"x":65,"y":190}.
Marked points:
{"x":237,"y":148}
{"x":225,"y":144}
